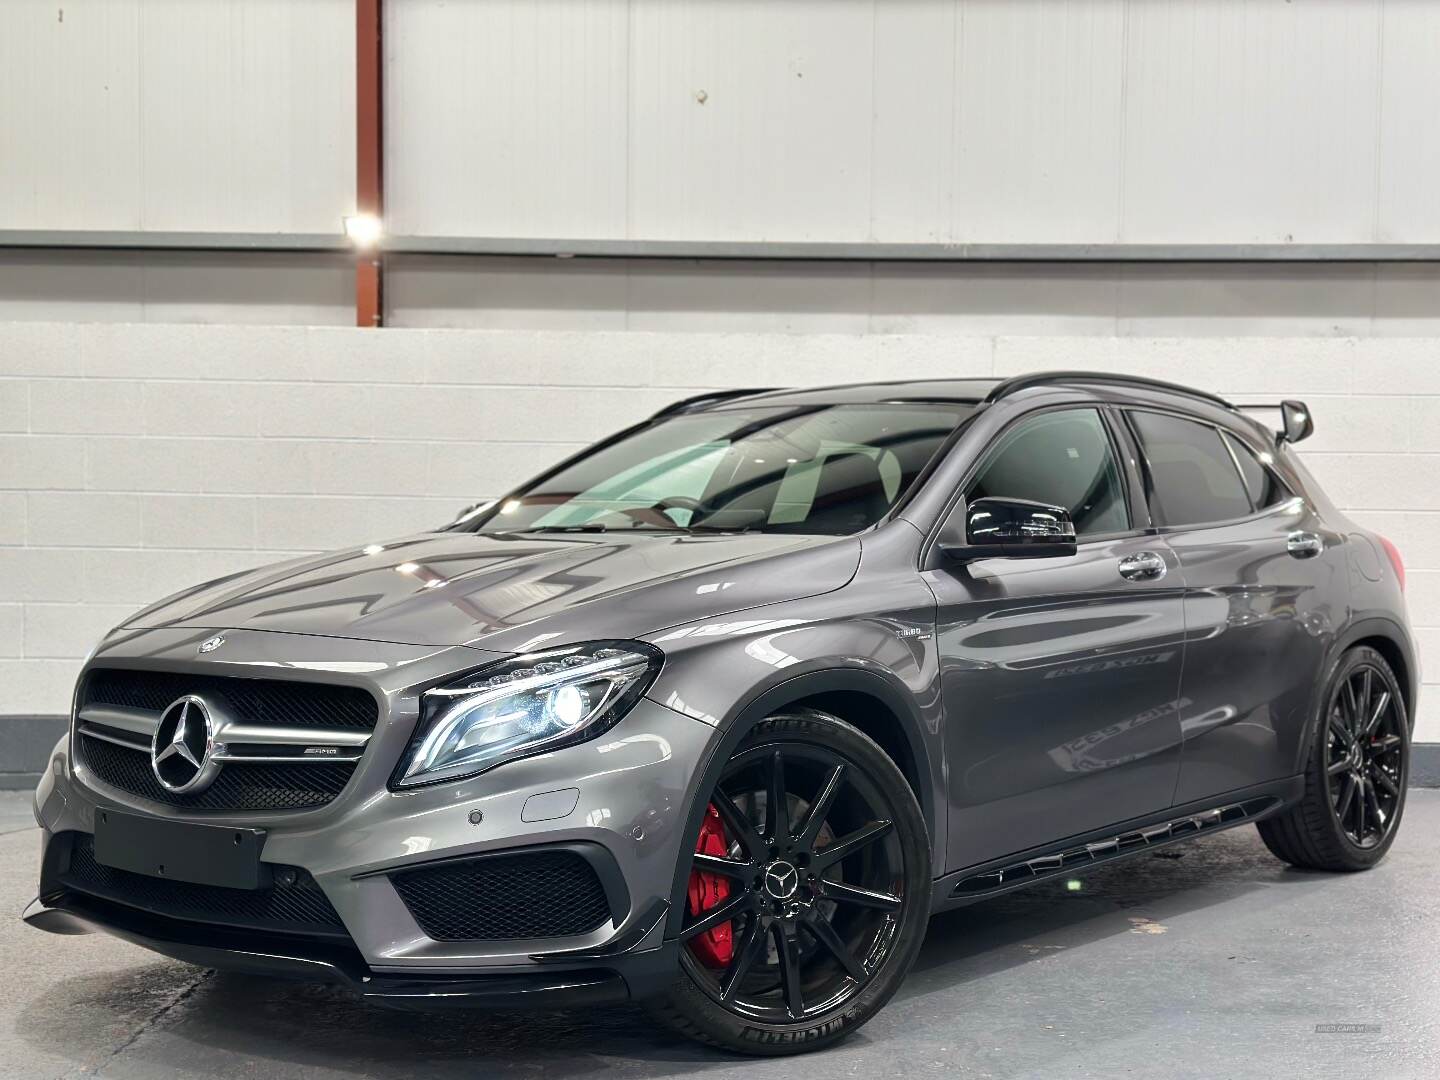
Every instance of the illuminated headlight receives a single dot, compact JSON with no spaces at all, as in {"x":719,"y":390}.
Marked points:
{"x":525,"y":706}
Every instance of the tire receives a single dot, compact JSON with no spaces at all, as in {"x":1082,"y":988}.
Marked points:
{"x":1320,"y":832}
{"x":862,"y":870}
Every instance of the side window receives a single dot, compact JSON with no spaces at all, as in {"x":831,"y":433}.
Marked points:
{"x":1063,"y":458}
{"x":1192,"y":475}
{"x":1262,"y":485}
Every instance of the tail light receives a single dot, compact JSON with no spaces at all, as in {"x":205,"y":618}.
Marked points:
{"x":1393,"y":553}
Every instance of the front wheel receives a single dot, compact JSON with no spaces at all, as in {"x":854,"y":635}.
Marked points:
{"x":1356,"y":776}
{"x":808,"y":891}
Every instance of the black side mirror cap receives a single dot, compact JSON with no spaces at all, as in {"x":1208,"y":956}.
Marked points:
{"x":1297,"y":421}
{"x":1012,"y":529}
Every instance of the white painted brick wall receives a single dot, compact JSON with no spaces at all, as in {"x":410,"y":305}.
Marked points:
{"x":136,"y":459}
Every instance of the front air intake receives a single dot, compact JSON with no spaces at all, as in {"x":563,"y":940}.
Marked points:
{"x":533,"y":894}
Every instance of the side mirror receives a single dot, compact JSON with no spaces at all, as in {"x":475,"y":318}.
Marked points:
{"x":1297,"y":421}
{"x":1012,"y":529}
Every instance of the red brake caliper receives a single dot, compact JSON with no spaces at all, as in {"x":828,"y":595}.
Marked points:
{"x":715,"y":947}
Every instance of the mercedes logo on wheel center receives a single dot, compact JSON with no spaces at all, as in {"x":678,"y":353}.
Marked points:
{"x":781,"y":880}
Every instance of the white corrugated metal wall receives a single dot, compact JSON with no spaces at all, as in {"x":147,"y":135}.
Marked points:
{"x":1140,"y":121}
{"x":177,"y":114}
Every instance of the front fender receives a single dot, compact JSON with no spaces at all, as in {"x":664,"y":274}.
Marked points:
{"x":733,"y":673}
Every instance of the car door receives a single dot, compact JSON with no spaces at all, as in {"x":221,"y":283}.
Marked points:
{"x":1259,"y":569}
{"x":1059,"y":676}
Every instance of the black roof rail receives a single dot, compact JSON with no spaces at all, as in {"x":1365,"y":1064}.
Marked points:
{"x":714,"y":397}
{"x":1047,"y":378}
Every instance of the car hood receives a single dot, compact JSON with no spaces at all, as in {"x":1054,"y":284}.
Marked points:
{"x":514,"y":593}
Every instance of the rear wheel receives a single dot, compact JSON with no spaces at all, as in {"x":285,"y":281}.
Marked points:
{"x":808,"y":894}
{"x":1357,"y":772}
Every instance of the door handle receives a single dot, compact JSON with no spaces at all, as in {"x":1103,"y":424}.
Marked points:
{"x":1304,"y":545}
{"x":1142,"y":566}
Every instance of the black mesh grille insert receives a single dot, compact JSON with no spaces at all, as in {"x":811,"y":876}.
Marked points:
{"x":533,"y":894}
{"x":237,"y":787}
{"x":255,"y":701}
{"x":298,"y":906}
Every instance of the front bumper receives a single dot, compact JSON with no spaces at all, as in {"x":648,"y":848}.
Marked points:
{"x":626,"y":795}
{"x":602,"y":979}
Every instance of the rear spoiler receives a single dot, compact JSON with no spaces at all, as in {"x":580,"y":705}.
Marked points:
{"x":1296,"y":423}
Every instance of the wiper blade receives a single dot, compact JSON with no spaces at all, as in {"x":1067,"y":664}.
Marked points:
{"x":602,"y":529}
{"x":566,"y":529}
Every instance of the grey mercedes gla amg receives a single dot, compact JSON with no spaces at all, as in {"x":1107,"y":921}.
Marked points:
{"x":717,"y":712}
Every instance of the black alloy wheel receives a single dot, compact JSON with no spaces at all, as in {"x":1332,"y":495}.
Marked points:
{"x":1365,"y":749}
{"x":825,"y":872}
{"x":1356,"y":774}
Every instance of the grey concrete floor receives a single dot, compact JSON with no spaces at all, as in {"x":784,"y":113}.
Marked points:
{"x":1210,"y":960}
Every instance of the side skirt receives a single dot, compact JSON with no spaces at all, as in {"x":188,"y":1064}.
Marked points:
{"x":1077,"y":854}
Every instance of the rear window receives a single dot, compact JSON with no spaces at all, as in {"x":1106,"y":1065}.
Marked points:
{"x":1193,"y":478}
{"x":1262,"y":485}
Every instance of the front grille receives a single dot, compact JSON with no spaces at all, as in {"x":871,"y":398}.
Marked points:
{"x":237,"y":786}
{"x":536,"y":894}
{"x":297,"y":907}
{"x":256,"y":701}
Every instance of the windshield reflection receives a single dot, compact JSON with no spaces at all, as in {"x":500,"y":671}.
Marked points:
{"x":819,"y":469}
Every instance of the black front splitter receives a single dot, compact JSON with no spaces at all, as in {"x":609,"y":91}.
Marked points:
{"x":294,"y":957}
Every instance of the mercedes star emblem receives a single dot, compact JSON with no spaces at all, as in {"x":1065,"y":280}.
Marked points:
{"x":180,"y":753}
{"x":781,"y":880}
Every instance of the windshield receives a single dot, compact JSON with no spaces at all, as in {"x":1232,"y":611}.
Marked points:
{"x":832,"y":469}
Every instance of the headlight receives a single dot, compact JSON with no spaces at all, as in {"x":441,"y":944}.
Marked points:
{"x":525,"y":706}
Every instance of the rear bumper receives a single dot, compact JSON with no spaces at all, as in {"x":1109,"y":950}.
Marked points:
{"x":554,"y":981}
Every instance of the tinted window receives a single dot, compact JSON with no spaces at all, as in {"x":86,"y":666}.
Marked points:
{"x":1192,"y":476}
{"x":1063,"y":458}
{"x":830,"y":469}
{"x":1262,"y":485}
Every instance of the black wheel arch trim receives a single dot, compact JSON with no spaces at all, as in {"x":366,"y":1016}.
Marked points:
{"x":766,"y":702}
{"x":1355,"y":631}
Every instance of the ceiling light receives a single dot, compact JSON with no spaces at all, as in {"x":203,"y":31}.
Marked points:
{"x":364,"y":230}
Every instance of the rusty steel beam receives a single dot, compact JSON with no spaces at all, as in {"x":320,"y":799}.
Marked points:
{"x":369,"y":158}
